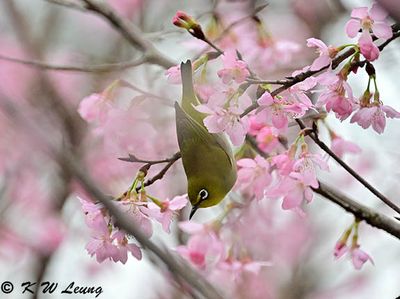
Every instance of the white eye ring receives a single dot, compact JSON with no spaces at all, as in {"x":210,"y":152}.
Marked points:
{"x":203,"y":194}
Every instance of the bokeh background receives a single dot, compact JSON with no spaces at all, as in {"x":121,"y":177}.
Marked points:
{"x":42,"y":229}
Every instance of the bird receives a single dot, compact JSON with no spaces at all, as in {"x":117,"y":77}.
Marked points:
{"x":208,"y":159}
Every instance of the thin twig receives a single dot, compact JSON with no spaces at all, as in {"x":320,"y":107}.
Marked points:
{"x":100,"y":68}
{"x":69,"y":4}
{"x":163,"y":171}
{"x":229,"y":28}
{"x":273,"y":82}
{"x":239,"y":21}
{"x":133,"y":159}
{"x":131,"y":33}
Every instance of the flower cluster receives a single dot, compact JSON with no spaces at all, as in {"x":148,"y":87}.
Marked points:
{"x":110,"y":242}
{"x":210,"y":252}
{"x":267,"y":167}
{"x":367,"y":21}
{"x":358,"y":256}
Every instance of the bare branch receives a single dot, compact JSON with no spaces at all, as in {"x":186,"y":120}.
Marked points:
{"x":360,"y":211}
{"x":367,"y":214}
{"x":131,"y":33}
{"x":100,"y":68}
{"x":69,"y":4}
{"x":325,"y":148}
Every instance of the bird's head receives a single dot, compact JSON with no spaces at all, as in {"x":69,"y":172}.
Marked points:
{"x":205,"y":193}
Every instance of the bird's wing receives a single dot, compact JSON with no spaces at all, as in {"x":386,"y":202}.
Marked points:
{"x":191,"y":133}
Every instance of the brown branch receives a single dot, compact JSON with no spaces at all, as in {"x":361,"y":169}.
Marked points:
{"x":131,"y":33}
{"x":360,"y":211}
{"x":133,"y":159}
{"x":273,"y":82}
{"x":69,"y":4}
{"x":163,"y":171}
{"x":100,"y":68}
{"x":239,"y":21}
{"x":325,"y":148}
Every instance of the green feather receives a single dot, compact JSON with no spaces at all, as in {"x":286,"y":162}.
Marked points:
{"x":207,"y":158}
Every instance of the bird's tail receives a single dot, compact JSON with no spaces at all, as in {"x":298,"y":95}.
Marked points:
{"x":189,"y":99}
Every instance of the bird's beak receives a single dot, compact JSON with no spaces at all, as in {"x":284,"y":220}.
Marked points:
{"x":194,"y":209}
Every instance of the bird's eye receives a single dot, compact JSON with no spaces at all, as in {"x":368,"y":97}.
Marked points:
{"x":203,"y":194}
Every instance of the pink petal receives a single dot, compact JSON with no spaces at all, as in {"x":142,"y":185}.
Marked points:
{"x":135,"y":251}
{"x":352,"y":27}
{"x":382,"y":30}
{"x":367,"y":47}
{"x":320,"y":62}
{"x":377,"y":13}
{"x":213,"y":124}
{"x":390,"y":112}
{"x":327,"y":78}
{"x":266,"y":99}
{"x":308,"y":194}
{"x":360,"y":257}
{"x":204,"y":109}
{"x":317,"y":43}
{"x":379,"y":122}
{"x":178,"y":202}
{"x":293,"y":199}
{"x":279,"y":120}
{"x":237,"y":134}
{"x":191,"y":227}
{"x":359,"y":12}
{"x":248,"y":163}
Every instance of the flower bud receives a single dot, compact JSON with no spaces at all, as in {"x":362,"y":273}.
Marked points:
{"x":181,"y":19}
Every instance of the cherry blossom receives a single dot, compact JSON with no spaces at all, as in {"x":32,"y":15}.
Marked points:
{"x":297,"y":185}
{"x":374,"y":20}
{"x":273,"y":112}
{"x":204,"y":248}
{"x":165,"y":210}
{"x":174,"y":74}
{"x":101,"y":243}
{"x":238,"y":267}
{"x":367,"y":47}
{"x":234,"y":69}
{"x":374,"y":115}
{"x":226,"y":118}
{"x":108,"y":242}
{"x":294,"y":102}
{"x":267,"y":139}
{"x":254,"y":176}
{"x":337,"y":97}
{"x":340,"y":146}
{"x":95,"y":108}
{"x":359,"y":257}
{"x":124,"y":247}
{"x":325,"y":53}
